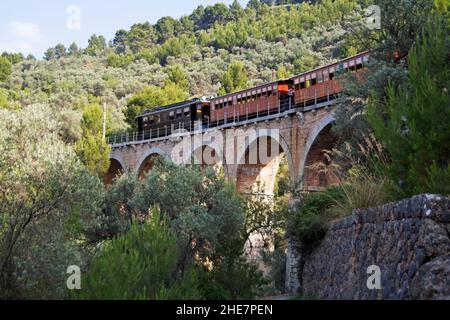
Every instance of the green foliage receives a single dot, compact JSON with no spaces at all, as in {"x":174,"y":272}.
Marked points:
{"x":140,"y":36}
{"x":234,"y":279}
{"x":119,"y":61}
{"x":178,"y":75}
{"x":276,"y":260}
{"x":139,"y":265}
{"x":145,"y":66}
{"x":206,"y":214}
{"x":5,"y":68}
{"x":117,"y":212}
{"x":60,"y":51}
{"x":41,"y":182}
{"x":174,"y":47}
{"x":92,"y":149}
{"x":202,"y":45}
{"x":167,"y":27}
{"x":73,"y":49}
{"x":96,"y":44}
{"x":4,"y":98}
{"x":412,"y":121}
{"x":15,"y":58}
{"x":234,"y":79}
{"x":401,"y":23}
{"x":209,"y":218}
{"x":361,"y":189}
{"x":312,"y":216}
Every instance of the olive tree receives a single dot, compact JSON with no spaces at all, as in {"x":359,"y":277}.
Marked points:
{"x":43,"y":186}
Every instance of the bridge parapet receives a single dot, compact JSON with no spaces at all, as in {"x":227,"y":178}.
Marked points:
{"x":155,"y":135}
{"x":301,"y":135}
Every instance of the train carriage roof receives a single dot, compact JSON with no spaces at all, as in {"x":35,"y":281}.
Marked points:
{"x":361,"y":54}
{"x":169,"y":107}
{"x":263,"y":85}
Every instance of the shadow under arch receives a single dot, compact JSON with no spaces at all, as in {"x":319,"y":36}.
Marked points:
{"x":148,"y":159}
{"x":115,"y":170}
{"x":313,"y":177}
{"x":259,"y":162}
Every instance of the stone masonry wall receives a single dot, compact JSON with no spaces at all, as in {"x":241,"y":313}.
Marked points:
{"x":408,"y":240}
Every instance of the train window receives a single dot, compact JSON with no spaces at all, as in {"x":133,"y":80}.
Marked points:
{"x":151,"y":119}
{"x":307,"y":83}
{"x":320,"y":77}
{"x":351,"y":65}
{"x":157,"y":118}
{"x":187,"y":112}
{"x":359,"y":64}
{"x":171,"y":115}
{"x":178,"y":114}
{"x":326,"y":77}
{"x":144,"y":119}
{"x":313,"y":82}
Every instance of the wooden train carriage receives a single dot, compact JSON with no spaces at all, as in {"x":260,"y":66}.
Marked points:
{"x":320,"y":84}
{"x":163,"y":120}
{"x":247,"y":103}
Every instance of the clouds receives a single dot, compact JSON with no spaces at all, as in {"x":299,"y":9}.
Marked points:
{"x":24,"y":37}
{"x":25,"y":30}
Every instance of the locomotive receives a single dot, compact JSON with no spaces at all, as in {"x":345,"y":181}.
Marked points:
{"x":303,"y":91}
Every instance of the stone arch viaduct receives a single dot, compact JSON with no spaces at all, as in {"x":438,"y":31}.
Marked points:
{"x":299,"y":135}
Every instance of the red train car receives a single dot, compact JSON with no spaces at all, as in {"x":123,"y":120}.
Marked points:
{"x":320,"y":85}
{"x":246,"y":104}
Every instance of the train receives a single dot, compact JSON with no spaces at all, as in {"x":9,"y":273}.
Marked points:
{"x":307,"y":90}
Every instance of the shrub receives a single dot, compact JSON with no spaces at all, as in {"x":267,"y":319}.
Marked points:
{"x":412,"y":122}
{"x":312,"y":216}
{"x":235,"y":278}
{"x":276,"y":261}
{"x":139,"y":265}
{"x":361,"y":189}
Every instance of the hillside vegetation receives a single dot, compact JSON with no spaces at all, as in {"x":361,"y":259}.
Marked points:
{"x":151,"y":65}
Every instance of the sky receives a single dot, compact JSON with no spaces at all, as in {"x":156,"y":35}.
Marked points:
{"x":33,"y":26}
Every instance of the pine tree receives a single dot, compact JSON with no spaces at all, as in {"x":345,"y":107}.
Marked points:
{"x":413,"y":123}
{"x":234,"y":79}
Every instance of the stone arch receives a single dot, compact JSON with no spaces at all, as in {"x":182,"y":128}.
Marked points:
{"x":116,"y":169}
{"x":146,"y":161}
{"x":248,"y":173}
{"x":319,"y":140}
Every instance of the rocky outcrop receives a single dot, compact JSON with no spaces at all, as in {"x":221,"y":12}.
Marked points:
{"x":408,"y":240}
